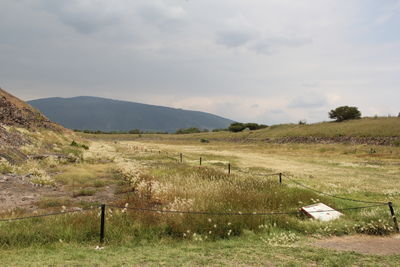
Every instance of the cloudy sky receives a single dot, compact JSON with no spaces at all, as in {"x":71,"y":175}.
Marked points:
{"x":268,"y":61}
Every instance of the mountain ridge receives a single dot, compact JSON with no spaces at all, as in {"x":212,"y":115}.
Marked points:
{"x":98,"y":113}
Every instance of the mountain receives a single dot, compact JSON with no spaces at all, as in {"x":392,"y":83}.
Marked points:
{"x":95,"y":113}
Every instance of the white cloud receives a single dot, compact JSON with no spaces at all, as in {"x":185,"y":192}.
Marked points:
{"x":308,"y":100}
{"x":164,"y":16}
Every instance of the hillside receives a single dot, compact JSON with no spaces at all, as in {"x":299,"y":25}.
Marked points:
{"x":94,"y":113}
{"x":16,"y":113}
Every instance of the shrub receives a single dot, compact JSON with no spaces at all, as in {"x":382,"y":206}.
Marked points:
{"x":345,"y":113}
{"x":255,"y":126}
{"x":75,"y":144}
{"x":237,"y":127}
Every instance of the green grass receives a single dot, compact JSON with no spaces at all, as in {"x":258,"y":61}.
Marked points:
{"x":250,"y":250}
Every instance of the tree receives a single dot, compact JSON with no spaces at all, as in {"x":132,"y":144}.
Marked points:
{"x":345,"y":113}
{"x":237,"y":127}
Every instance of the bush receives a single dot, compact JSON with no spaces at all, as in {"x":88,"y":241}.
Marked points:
{"x":345,"y":113}
{"x":236,"y":127}
{"x":255,"y":126}
{"x":75,"y":144}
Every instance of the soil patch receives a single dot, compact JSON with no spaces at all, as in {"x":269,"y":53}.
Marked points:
{"x":363,"y":244}
{"x":18,"y":192}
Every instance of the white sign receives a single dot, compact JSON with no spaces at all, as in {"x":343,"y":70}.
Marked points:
{"x":321,"y":212}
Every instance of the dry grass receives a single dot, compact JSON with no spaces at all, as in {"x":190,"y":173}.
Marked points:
{"x":151,"y":176}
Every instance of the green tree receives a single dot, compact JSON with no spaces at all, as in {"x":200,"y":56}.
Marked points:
{"x":237,"y":127}
{"x":345,"y":113}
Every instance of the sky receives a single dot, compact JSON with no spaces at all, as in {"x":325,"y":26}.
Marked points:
{"x":265,"y":61}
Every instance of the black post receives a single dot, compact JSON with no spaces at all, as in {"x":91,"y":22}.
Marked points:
{"x":200,"y":161}
{"x":229,"y":168}
{"x":280,"y":178}
{"x":396,"y":225}
{"x":181,"y":156}
{"x":102,"y":222}
{"x":73,"y":187}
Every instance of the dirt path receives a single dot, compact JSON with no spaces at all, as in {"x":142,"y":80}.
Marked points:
{"x":363,"y":244}
{"x":18,"y":192}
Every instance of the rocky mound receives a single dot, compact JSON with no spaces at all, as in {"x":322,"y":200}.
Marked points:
{"x":16,"y":113}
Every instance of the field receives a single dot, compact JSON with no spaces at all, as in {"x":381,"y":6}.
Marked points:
{"x":141,"y":178}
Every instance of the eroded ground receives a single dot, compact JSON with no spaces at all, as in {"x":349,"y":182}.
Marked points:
{"x":374,"y":245}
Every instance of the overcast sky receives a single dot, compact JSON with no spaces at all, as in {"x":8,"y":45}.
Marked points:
{"x":268,"y":61}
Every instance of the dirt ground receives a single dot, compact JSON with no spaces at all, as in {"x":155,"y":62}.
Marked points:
{"x":18,"y":192}
{"x":363,"y":244}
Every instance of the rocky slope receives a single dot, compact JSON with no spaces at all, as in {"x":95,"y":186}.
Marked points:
{"x":16,"y":113}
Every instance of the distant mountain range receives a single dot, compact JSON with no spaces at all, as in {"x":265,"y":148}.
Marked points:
{"x":95,"y":113}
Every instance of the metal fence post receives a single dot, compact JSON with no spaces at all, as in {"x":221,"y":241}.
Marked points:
{"x":280,"y":178}
{"x":181,"y":156}
{"x":200,"y":161}
{"x":396,"y":225}
{"x":102,"y":222}
{"x":229,"y":168}
{"x":73,"y":187}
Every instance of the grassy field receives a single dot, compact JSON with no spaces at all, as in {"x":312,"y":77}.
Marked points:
{"x":366,"y":127}
{"x":146,"y":173}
